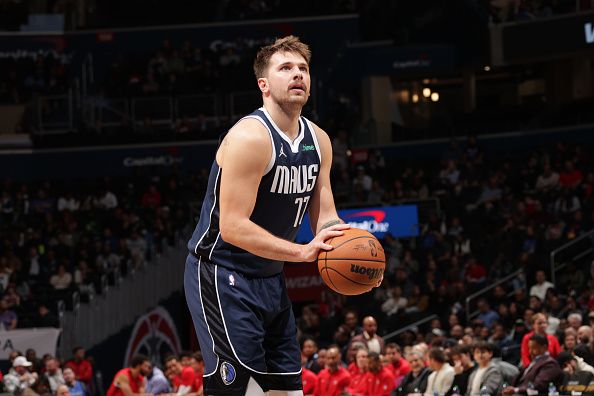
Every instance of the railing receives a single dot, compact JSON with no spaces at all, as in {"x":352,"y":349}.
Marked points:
{"x":587,"y":239}
{"x":122,"y":300}
{"x":410,"y":326}
{"x":480,"y":293}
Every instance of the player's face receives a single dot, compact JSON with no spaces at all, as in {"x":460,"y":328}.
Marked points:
{"x":287,"y":80}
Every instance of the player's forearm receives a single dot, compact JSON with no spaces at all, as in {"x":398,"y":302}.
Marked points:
{"x":249,"y":236}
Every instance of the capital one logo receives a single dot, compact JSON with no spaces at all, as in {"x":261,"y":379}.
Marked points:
{"x":370,"y":220}
{"x":589,"y":31}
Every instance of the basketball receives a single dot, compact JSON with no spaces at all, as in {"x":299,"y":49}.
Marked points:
{"x":355,"y":264}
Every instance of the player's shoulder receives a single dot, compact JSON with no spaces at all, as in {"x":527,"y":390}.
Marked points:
{"x":248,"y":131}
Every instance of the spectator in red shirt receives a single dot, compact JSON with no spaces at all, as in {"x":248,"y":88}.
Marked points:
{"x":334,"y":379}
{"x":539,"y":326}
{"x":570,"y":177}
{"x":183,"y":377}
{"x":196,"y":362}
{"x":476,"y":274}
{"x":357,"y":385}
{"x":131,"y":381}
{"x":308,"y":378}
{"x":151,"y":199}
{"x":378,"y":381}
{"x":397,"y":365}
{"x":83,"y":370}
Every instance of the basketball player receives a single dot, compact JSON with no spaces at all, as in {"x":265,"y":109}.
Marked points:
{"x":271,"y":167}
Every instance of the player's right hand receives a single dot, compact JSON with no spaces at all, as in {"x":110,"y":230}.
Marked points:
{"x":311,"y":251}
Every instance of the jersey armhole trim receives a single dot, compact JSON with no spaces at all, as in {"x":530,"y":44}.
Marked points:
{"x":273,"y":152}
{"x":315,"y":138}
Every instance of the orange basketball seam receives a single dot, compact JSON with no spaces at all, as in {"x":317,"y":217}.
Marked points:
{"x":356,"y":259}
{"x":352,"y":239}
{"x":349,"y":279}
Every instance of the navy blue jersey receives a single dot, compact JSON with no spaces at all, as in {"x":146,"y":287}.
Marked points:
{"x":283,"y":197}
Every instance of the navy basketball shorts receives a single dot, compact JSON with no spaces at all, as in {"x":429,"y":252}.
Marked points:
{"x":245,"y":327}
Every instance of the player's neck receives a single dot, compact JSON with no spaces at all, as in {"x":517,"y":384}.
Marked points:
{"x":285,"y":117}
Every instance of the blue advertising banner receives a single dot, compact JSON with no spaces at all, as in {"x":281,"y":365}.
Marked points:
{"x":400,"y":221}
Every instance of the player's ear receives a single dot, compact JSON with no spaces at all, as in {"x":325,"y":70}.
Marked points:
{"x":263,"y":84}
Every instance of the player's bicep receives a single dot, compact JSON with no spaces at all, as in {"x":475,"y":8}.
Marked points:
{"x":245,"y":158}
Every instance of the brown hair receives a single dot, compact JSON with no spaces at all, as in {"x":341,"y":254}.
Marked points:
{"x":285,"y":44}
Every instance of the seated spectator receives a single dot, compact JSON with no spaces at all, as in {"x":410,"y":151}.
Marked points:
{"x":62,"y":279}
{"x":378,"y":381}
{"x":575,"y":379}
{"x":53,"y":372}
{"x":75,"y":387}
{"x":157,"y":383}
{"x":548,"y":180}
{"x":369,"y":337}
{"x":19,"y":377}
{"x":308,"y":380}
{"x":460,"y":355}
{"x":40,"y":387}
{"x":395,"y":302}
{"x":487,"y":376}
{"x":486,"y":316}
{"x":184,"y":378}
{"x":309,"y":354}
{"x":396,"y":363}
{"x":570,"y":177}
{"x":416,"y":380}
{"x":45,"y":318}
{"x":81,"y":367}
{"x":334,"y":379}
{"x":541,"y":371}
{"x":358,"y":385}
{"x":131,"y":380}
{"x":442,"y":376}
{"x":539,"y":326}
{"x":36,"y":363}
{"x":8,"y":318}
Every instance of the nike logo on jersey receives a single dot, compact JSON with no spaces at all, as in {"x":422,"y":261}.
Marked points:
{"x":294,"y":179}
{"x":282,"y":152}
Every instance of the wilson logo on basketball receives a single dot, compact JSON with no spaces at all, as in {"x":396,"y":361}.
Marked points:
{"x":372,"y":273}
